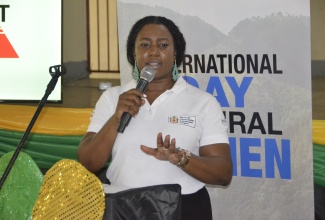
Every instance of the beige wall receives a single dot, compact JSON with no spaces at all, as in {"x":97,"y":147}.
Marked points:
{"x":74,"y":30}
{"x":317,"y":18}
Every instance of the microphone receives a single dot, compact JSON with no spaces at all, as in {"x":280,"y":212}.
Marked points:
{"x":146,"y":76}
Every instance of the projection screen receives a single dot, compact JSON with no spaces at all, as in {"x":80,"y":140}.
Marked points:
{"x":30,"y":43}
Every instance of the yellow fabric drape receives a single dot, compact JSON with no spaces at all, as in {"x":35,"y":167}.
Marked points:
{"x":74,"y":121}
{"x":51,"y":120}
{"x":319,"y":132}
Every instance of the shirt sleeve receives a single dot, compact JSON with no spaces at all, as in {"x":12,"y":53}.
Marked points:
{"x":215,"y":128}
{"x":104,"y":109}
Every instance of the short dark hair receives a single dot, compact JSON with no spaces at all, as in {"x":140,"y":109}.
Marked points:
{"x":179,"y":41}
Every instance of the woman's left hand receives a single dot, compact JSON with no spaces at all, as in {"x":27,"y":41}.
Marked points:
{"x":213,"y":165}
{"x":166,"y":149}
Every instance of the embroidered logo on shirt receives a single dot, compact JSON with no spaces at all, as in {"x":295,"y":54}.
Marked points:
{"x":183,"y":120}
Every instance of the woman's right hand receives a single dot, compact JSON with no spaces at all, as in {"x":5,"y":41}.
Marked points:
{"x":129,"y":101}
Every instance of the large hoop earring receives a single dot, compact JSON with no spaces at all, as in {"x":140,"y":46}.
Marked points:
{"x":175,"y":72}
{"x":136,"y":75}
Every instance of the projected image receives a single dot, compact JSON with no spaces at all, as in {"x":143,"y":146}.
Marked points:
{"x":30,"y":43}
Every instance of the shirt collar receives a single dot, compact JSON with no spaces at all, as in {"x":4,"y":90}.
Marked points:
{"x":180,"y":85}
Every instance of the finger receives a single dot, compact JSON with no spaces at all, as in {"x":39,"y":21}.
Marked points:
{"x":132,"y":109}
{"x":172,"y":145}
{"x":176,"y":157}
{"x":153,"y":152}
{"x":166,"y":142}
{"x":132,"y":104}
{"x":144,"y":96}
{"x":180,"y":153}
{"x":129,"y":102}
{"x":135,"y":92}
{"x":148,"y":150}
{"x":134,"y":101}
{"x":136,"y":96}
{"x":159,"y":140}
{"x":133,"y":95}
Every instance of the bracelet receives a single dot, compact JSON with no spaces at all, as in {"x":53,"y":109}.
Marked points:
{"x":181,"y":161}
{"x":187,"y":155}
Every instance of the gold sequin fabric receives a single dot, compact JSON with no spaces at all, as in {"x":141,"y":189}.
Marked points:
{"x":69,"y":191}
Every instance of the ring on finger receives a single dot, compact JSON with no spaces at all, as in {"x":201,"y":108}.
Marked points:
{"x":165,"y":148}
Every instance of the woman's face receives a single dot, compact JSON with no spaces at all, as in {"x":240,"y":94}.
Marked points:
{"x":154,"y":46}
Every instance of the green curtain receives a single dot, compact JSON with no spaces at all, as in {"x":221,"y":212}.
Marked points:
{"x":44,"y":149}
{"x":319,"y":164}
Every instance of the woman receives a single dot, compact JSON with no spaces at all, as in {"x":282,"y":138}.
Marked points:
{"x":177,"y":134}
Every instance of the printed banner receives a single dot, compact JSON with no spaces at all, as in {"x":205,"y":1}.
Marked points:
{"x":254,"y":57}
{"x":30,"y":42}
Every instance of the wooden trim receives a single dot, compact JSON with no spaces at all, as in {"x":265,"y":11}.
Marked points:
{"x":103,"y":36}
{"x":104,"y":75}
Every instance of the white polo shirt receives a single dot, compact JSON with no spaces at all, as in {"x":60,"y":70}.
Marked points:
{"x":191,"y":116}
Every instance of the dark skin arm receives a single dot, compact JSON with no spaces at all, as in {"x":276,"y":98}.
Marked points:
{"x":212,"y":166}
{"x":95,"y":148}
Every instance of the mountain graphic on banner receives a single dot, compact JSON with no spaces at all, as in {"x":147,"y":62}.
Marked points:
{"x":6,"y":49}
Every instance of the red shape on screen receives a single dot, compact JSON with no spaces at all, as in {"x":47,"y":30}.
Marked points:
{"x":6,"y":49}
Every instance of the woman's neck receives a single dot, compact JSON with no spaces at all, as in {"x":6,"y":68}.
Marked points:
{"x":156,"y":88}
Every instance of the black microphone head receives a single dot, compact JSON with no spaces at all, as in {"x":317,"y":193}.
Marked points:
{"x":147,"y":73}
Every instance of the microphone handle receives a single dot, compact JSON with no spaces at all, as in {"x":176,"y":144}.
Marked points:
{"x":126,"y":117}
{"x":142,"y":85}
